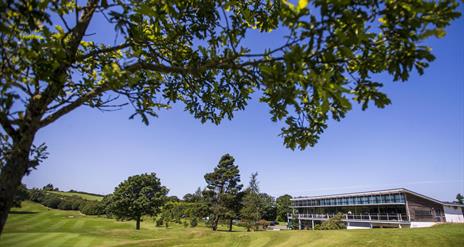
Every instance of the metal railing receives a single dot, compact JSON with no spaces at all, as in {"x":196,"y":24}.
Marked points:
{"x":355,"y":217}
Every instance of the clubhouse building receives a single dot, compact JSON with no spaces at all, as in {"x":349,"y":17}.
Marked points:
{"x":375,"y":209}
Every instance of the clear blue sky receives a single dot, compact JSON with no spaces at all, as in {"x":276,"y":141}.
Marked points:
{"x":416,"y":143}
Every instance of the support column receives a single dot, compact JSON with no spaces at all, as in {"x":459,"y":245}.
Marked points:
{"x":299,"y":223}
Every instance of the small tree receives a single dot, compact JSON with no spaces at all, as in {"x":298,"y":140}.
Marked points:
{"x":459,"y":198}
{"x":283,"y":207}
{"x":193,"y":222}
{"x":334,"y":223}
{"x":269,"y":209}
{"x":223,"y":186}
{"x":48,"y":187}
{"x":294,"y":222}
{"x":137,"y":196}
{"x":252,"y":204}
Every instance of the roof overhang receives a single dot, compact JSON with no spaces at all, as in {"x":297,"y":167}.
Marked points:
{"x":377,"y":192}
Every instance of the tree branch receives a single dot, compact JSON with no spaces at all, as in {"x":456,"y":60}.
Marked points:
{"x":71,"y":106}
{"x":101,"y":51}
{"x":6,"y":125}
{"x":227,"y":64}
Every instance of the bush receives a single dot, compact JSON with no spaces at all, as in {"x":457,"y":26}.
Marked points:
{"x":92,"y":208}
{"x":193,"y":222}
{"x":334,"y":223}
{"x":65,"y":204}
{"x":263,"y":224}
{"x":159,"y":222}
{"x":76,"y":203}
{"x":186,"y":224}
{"x":36,"y":195}
{"x":51,"y":201}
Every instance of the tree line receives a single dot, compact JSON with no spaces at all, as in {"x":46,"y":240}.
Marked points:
{"x":223,"y":200}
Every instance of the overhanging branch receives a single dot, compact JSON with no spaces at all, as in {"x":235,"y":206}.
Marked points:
{"x":71,"y":106}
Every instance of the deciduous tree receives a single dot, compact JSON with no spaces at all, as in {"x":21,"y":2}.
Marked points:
{"x":459,"y":198}
{"x":283,"y":207}
{"x":195,"y":53}
{"x":252,"y":208}
{"x":137,"y":196}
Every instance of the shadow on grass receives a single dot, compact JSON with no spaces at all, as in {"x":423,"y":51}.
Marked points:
{"x":22,"y":212}
{"x":221,"y":230}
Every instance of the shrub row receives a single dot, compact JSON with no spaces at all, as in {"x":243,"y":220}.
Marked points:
{"x":67,"y":202}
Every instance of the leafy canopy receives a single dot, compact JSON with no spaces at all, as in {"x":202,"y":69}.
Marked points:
{"x":137,"y":196}
{"x":194,"y":52}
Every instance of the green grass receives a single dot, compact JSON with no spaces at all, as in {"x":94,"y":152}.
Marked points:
{"x":35,"y":225}
{"x":82,"y":195}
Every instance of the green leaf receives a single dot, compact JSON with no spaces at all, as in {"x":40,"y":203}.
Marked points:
{"x":302,"y":4}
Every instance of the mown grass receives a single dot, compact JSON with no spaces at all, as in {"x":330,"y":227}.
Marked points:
{"x":35,"y":225}
{"x":82,"y":195}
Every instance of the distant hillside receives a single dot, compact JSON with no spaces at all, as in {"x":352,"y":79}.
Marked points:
{"x":84,"y":195}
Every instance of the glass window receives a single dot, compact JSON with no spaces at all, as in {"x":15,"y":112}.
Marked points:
{"x":372,"y":200}
{"x":388,"y":199}
{"x":350,"y":200}
{"x":399,"y":198}
{"x":365,"y":200}
{"x":402,"y":198}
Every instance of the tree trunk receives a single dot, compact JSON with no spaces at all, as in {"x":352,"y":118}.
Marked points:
{"x":230,"y":224}
{"x":137,"y":224}
{"x":16,"y":165}
{"x":215,"y":222}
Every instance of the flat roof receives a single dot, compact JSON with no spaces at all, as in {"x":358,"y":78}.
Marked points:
{"x":375,"y":192}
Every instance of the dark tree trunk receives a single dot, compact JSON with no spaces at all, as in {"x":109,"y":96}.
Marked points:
{"x":16,"y":165}
{"x":137,"y":224}
{"x":215,"y":222}
{"x":230,"y":224}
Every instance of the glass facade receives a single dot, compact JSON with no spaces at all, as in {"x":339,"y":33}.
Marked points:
{"x":397,"y":198}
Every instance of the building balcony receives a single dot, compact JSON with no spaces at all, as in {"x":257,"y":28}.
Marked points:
{"x":391,"y":218}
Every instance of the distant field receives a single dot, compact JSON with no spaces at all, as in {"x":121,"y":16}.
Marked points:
{"x":82,"y":195}
{"x":36,"y":225}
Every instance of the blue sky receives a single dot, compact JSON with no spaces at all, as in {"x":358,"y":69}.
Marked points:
{"x":416,"y":143}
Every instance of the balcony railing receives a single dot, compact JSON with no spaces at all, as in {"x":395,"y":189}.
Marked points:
{"x":355,"y":217}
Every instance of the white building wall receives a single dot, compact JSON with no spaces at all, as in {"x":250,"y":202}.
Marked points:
{"x":453,"y":214}
{"x":417,"y":224}
{"x":358,"y":225}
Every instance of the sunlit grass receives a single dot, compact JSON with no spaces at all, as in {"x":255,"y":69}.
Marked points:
{"x":35,"y":225}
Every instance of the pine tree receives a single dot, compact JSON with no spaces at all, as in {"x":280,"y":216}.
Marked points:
{"x":223,"y":187}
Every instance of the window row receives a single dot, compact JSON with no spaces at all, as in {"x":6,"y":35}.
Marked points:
{"x":354,"y":200}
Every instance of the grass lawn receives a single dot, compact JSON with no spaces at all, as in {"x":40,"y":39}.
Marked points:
{"x":82,"y":195}
{"x":35,"y":225}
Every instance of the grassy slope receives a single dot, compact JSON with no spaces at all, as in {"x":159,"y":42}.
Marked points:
{"x":82,"y":195}
{"x":35,"y":225}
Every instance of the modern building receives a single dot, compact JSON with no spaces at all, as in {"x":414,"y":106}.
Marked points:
{"x":375,"y":209}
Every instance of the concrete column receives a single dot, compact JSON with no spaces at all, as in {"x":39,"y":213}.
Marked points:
{"x":299,"y":223}
{"x":312,"y":224}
